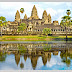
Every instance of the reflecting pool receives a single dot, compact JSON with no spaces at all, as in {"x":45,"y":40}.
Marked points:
{"x":52,"y":55}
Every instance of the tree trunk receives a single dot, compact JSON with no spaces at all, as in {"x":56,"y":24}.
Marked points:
{"x":1,"y":31}
{"x":21,"y":32}
{"x":47,"y":35}
{"x":66,"y":35}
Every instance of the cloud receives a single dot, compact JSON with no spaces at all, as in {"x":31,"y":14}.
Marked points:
{"x":40,"y":11}
{"x":54,"y":3}
{"x":8,"y":9}
{"x":55,"y":60}
{"x":60,"y":14}
{"x":51,"y":11}
{"x":69,"y":4}
{"x":56,"y":14}
{"x":60,"y":18}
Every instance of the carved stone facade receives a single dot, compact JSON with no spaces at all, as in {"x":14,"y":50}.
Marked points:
{"x":49,"y":19}
{"x":45,"y":17}
{"x":17,"y":16}
{"x":34,"y":14}
{"x":25,"y":17}
{"x":55,"y":23}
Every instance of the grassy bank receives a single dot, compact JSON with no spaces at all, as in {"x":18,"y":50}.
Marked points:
{"x":30,"y":38}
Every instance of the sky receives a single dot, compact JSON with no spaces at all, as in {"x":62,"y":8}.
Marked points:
{"x":56,"y":9}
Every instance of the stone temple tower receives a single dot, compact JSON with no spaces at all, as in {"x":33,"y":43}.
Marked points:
{"x":17,"y":16}
{"x":34,"y":14}
{"x":45,"y":17}
{"x":49,"y":19}
{"x":25,"y":17}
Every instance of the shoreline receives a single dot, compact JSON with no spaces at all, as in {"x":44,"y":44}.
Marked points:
{"x":35,"y":38}
{"x":35,"y":42}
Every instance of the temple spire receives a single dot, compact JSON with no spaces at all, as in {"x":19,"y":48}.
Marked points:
{"x":34,"y":14}
{"x":25,"y":17}
{"x":44,"y":17}
{"x":17,"y":16}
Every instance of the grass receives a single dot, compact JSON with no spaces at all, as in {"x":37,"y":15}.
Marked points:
{"x":34,"y":36}
{"x":23,"y":36}
{"x":30,"y":38}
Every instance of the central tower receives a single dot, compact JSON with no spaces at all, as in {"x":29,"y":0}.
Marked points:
{"x":34,"y":14}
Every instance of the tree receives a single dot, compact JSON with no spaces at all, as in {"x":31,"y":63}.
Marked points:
{"x":46,"y":31}
{"x":22,"y":27}
{"x":66,"y":21}
{"x":2,"y":23}
{"x":22,"y":11}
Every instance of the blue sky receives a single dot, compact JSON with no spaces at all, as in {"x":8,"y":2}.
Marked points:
{"x":56,"y":9}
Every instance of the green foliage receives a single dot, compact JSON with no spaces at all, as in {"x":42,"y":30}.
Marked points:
{"x":67,"y":61}
{"x":22,"y":27}
{"x":22,"y":49}
{"x":2,"y":21}
{"x":2,"y":56}
{"x":64,"y":56}
{"x":46,"y":31}
{"x":68,"y":12}
{"x":21,"y":65}
{"x":66,"y":20}
{"x":22,"y":10}
{"x":29,"y":33}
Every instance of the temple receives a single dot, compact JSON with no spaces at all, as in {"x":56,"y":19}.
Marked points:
{"x":34,"y":24}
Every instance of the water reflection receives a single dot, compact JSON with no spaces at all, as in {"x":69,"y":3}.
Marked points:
{"x":65,"y":55}
{"x":24,"y":51}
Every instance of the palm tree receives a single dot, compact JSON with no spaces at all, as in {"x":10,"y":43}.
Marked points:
{"x":22,"y":11}
{"x":66,"y":21}
{"x":68,"y":12}
{"x":2,"y":23}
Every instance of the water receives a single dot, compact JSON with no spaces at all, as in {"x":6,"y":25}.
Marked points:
{"x":41,"y":55}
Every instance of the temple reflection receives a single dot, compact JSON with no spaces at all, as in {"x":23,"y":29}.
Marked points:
{"x":25,"y":57}
{"x":34,"y":51}
{"x":17,"y":58}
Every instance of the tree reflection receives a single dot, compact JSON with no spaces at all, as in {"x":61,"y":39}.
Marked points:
{"x":21,"y":64}
{"x":67,"y":61}
{"x":47,"y":47}
{"x":2,"y":56}
{"x":65,"y":57}
{"x":22,"y":49}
